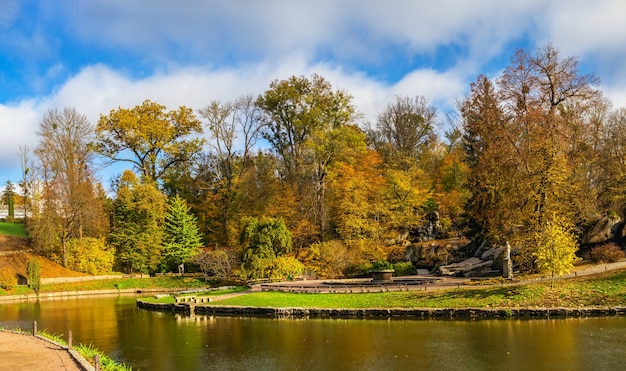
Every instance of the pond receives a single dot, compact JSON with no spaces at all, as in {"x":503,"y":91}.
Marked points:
{"x":165,"y":341}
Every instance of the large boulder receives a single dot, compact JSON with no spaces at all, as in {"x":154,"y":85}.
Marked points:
{"x":472,"y":267}
{"x":607,"y":228}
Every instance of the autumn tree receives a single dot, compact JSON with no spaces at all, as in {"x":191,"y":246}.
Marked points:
{"x":229,"y":125}
{"x":70,"y":206}
{"x":182,"y":238}
{"x":149,"y":138}
{"x":556,"y":248}
{"x":138,"y":217}
{"x":310,"y":126}
{"x":523,"y":141}
{"x":611,"y":176}
{"x":357,"y":197}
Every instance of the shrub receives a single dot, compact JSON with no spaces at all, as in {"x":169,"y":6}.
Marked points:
{"x":327,"y":259}
{"x":607,"y":253}
{"x":404,"y":269}
{"x":33,"y":271}
{"x":380,"y":265}
{"x":90,"y":255}
{"x":7,"y":280}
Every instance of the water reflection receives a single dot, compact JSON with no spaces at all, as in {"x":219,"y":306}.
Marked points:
{"x":166,"y":341}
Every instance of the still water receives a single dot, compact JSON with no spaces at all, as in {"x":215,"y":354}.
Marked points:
{"x":165,"y":341}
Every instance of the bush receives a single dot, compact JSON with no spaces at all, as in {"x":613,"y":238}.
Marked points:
{"x":607,"y":253}
{"x":33,"y":271}
{"x":90,"y":255}
{"x":7,"y":280}
{"x":404,"y":269}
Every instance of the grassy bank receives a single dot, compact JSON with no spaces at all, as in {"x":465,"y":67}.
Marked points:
{"x":115,"y":284}
{"x":603,"y":290}
{"x":13,"y":229}
{"x":89,"y":352}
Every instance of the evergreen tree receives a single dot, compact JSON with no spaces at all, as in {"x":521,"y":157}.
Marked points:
{"x":9,"y":199}
{"x":182,"y":237}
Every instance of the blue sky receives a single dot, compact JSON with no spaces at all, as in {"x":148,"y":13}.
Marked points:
{"x":99,"y":55}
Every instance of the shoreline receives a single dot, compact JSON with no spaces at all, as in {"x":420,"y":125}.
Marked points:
{"x":380,"y":313}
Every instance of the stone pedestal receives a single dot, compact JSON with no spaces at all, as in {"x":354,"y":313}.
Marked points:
{"x":507,"y":268}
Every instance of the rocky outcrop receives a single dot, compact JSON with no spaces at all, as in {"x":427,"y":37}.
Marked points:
{"x":472,"y":267}
{"x":609,"y":228}
{"x":485,"y":262}
{"x":433,"y":253}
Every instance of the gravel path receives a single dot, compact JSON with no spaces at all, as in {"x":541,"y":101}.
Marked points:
{"x":27,"y":352}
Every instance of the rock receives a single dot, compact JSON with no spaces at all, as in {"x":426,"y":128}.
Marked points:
{"x":468,"y":268}
{"x":604,"y":230}
{"x":492,"y":253}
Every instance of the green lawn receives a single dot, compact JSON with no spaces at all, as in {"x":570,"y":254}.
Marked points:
{"x":605,"y":290}
{"x":114,"y":284}
{"x":13,"y":229}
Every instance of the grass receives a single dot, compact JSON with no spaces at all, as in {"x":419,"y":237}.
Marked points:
{"x":608,"y":289}
{"x":88,"y":352}
{"x":13,"y":229}
{"x":168,"y":299}
{"x":114,"y":284}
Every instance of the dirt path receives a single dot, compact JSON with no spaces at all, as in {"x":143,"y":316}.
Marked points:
{"x":27,"y":352}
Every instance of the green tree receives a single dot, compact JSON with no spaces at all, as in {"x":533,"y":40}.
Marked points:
{"x":33,"y":273}
{"x":9,"y":199}
{"x":182,"y":237}
{"x":264,"y":240}
{"x":556,"y":248}
{"x":148,"y":137}
{"x":138,"y":217}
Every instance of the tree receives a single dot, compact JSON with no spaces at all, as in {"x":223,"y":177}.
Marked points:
{"x":357,"y":197}
{"x":524,"y":146}
{"x":556,"y":249}
{"x":68,"y":190}
{"x":264,"y":240}
{"x":228,"y":122}
{"x":137,"y":231}
{"x":33,"y":272}
{"x":155,"y":140}
{"x":9,"y":199}
{"x":181,"y":238}
{"x":403,"y":130}
{"x":214,"y":263}
{"x":28,"y":179}
{"x":310,"y":126}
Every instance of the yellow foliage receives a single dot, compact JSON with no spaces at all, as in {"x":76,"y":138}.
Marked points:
{"x":556,"y":248}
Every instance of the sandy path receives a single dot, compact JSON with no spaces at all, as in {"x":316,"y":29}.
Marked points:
{"x":26,"y":352}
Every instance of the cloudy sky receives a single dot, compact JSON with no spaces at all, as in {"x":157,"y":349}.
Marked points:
{"x":99,"y":55}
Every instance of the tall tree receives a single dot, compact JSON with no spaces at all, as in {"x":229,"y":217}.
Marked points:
{"x":137,"y":231}
{"x":533,"y":122}
{"x":182,"y":238}
{"x":70,"y":203}
{"x":148,"y":137}
{"x":403,"y":130}
{"x":229,"y":124}
{"x":9,"y":199}
{"x":310,"y":126}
